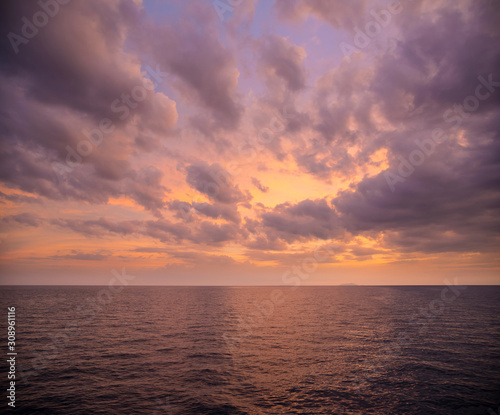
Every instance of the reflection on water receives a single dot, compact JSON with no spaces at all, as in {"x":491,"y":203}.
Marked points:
{"x":263,"y":350}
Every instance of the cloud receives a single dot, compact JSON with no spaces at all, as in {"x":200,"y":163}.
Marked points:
{"x":259,"y":185}
{"x":206,"y":260}
{"x":151,"y":249}
{"x":16,"y":198}
{"x":448,"y":202}
{"x":79,"y":84}
{"x":212,"y":233}
{"x":204,"y":69}
{"x":218,"y":210}
{"x":340,"y":14}
{"x":215,"y":182}
{"x":70,"y":105}
{"x":266,"y":243}
{"x":147,"y":190}
{"x":204,"y":233}
{"x":324,"y":130}
{"x":448,"y":206}
{"x":99,"y":227}
{"x":82,"y":256}
{"x":185,"y":210}
{"x":27,"y":219}
{"x":282,"y":59}
{"x":305,"y":220}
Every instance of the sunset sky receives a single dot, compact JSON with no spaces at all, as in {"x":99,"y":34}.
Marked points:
{"x":245,"y":142}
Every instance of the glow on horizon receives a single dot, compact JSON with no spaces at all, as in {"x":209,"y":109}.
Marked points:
{"x":260,"y":143}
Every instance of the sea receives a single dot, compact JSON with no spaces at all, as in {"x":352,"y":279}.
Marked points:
{"x":252,"y":350}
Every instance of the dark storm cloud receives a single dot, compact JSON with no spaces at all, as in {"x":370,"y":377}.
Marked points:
{"x":64,"y":80}
{"x":202,"y":232}
{"x":212,"y":233}
{"x":59,"y":88}
{"x":84,"y":69}
{"x":31,"y":172}
{"x":165,"y":230}
{"x":28,"y":171}
{"x":282,"y":59}
{"x":99,"y":227}
{"x":206,"y":233}
{"x":266,"y":243}
{"x":20,"y":198}
{"x":304,"y":220}
{"x":147,"y":190}
{"x":450,"y":201}
{"x":28,"y":219}
{"x":280,"y":64}
{"x":448,"y":206}
{"x":215,"y":182}
{"x":322,"y":159}
{"x":218,"y":210}
{"x":425,"y":75}
{"x":190,"y":49}
{"x":434,"y":72}
{"x":184,"y":210}
{"x":341,"y":96}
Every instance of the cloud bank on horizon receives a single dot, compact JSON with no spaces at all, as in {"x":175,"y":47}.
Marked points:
{"x":223,"y":142}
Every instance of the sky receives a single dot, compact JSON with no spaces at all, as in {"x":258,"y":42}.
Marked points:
{"x":245,"y":142}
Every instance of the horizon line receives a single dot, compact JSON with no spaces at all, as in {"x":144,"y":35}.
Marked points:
{"x":237,"y":286}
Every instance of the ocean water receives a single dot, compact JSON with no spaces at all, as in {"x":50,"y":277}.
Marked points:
{"x":254,"y":350}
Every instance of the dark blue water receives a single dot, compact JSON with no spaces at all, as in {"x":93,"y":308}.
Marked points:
{"x":265,"y":350}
